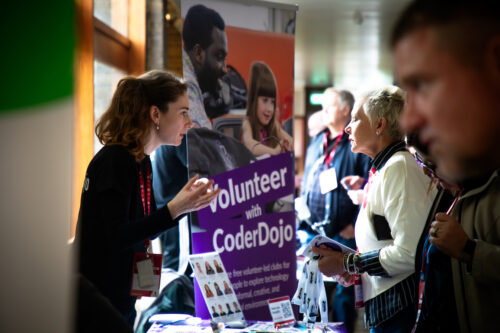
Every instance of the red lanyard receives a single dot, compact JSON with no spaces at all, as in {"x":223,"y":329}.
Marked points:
{"x":145,"y":193}
{"x":368,"y":184}
{"x":148,"y":190}
{"x":329,"y":158}
{"x":421,"y":284}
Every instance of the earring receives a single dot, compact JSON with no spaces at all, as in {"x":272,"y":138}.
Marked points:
{"x":377,"y":132}
{"x":157,"y":127}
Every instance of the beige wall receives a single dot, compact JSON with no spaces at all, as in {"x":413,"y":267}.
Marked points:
{"x":36,"y":150}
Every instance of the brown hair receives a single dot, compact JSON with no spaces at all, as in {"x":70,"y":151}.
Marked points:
{"x":262,"y":83}
{"x":462,"y":26}
{"x":127,"y":121}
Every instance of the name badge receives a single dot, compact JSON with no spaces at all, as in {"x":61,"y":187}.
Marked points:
{"x":281,"y":311}
{"x":146,"y":274}
{"x":328,"y":180}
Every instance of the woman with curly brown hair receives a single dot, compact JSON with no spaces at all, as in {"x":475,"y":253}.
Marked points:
{"x":118,"y":214}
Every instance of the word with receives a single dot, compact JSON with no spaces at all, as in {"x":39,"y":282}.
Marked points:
{"x":254,"y":212}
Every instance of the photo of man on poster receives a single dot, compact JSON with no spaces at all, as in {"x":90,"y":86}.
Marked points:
{"x":203,"y":58}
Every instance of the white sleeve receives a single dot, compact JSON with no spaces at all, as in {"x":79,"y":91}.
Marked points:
{"x":406,"y":201}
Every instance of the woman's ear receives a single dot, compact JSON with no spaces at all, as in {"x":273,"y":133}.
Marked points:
{"x":381,"y":124}
{"x":154,"y":113}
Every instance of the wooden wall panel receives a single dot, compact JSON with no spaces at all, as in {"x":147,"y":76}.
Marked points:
{"x":84,"y":103}
{"x":110,"y":47}
{"x":137,"y":35}
{"x":96,"y":40}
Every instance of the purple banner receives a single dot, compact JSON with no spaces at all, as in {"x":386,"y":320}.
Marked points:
{"x":253,"y":229}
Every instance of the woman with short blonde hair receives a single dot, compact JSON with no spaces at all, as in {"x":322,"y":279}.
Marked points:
{"x":391,"y":218}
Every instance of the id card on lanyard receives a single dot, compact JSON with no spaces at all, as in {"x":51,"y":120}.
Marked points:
{"x":328,"y":178}
{"x":146,"y":269}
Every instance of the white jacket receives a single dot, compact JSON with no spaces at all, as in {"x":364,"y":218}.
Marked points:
{"x":399,"y":192}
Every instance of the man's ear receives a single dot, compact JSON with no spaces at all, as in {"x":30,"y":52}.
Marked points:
{"x":198,"y":56}
{"x":346,"y":111}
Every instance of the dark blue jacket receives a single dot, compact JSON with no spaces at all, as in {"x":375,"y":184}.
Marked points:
{"x":170,"y":175}
{"x":339,"y":209}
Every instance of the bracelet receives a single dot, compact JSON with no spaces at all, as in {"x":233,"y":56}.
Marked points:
{"x":344,"y":262}
{"x":357,"y":263}
{"x":350,"y":263}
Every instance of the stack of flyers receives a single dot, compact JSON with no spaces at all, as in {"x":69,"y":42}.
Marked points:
{"x":323,"y":240}
{"x":216,"y":288}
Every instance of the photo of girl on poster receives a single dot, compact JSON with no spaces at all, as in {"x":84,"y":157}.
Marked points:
{"x":261,"y":132}
{"x":208,"y":291}
{"x":227,"y":289}
{"x":236,"y":307}
{"x":217,"y":289}
{"x":209,"y":268}
{"x":217,"y":267}
{"x":199,"y":268}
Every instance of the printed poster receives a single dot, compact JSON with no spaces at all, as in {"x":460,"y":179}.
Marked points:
{"x":252,"y":227}
{"x":217,"y":291}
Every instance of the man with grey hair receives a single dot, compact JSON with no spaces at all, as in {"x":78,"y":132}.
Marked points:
{"x":447,"y":56}
{"x":316,"y":122}
{"x":329,"y":157}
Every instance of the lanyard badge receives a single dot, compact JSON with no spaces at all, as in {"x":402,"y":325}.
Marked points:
{"x":146,"y":267}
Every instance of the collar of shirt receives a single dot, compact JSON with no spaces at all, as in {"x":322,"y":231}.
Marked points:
{"x":196,"y":106}
{"x":381,"y":158}
{"x":344,"y":138}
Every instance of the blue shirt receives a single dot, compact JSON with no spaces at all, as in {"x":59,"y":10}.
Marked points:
{"x":338,"y":210}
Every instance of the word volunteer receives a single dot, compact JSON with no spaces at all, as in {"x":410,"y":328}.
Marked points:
{"x":244,"y":191}
{"x":248,"y":189}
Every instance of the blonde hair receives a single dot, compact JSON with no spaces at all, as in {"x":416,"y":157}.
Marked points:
{"x":385,"y":103}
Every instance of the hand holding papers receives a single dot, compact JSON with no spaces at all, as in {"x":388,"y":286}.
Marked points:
{"x":328,"y":242}
{"x":310,"y":294}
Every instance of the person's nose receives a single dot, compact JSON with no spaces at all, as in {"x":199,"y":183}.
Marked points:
{"x":270,"y":107}
{"x":348,"y":128}
{"x":224,"y":69}
{"x":412,"y":118}
{"x":189,"y":123}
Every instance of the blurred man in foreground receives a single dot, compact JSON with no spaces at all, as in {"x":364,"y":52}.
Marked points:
{"x":447,"y":56}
